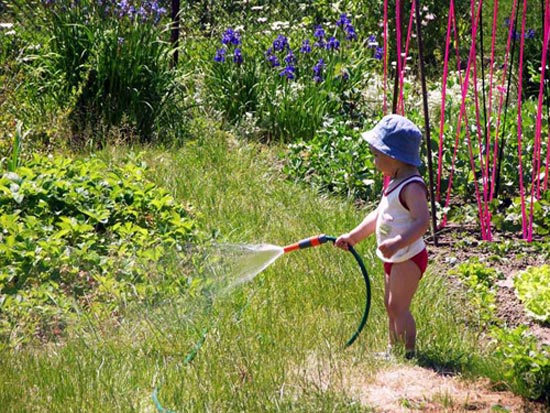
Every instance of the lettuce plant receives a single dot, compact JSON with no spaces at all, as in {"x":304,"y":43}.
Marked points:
{"x":533,"y":289}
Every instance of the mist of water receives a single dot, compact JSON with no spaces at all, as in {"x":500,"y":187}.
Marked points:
{"x":219,"y":269}
{"x":230,"y":265}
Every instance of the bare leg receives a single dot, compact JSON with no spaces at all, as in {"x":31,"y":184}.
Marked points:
{"x":401,"y":285}
{"x":392,"y":337}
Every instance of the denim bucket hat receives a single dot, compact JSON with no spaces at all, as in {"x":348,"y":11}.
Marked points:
{"x":396,"y":137}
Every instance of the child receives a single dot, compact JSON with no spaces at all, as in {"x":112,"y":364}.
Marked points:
{"x":399,"y":221}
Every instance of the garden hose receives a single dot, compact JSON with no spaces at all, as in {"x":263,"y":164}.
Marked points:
{"x":188,"y":359}
{"x":321,"y":239}
{"x":305,"y":243}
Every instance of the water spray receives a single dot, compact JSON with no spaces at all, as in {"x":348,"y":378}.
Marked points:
{"x":266,"y":255}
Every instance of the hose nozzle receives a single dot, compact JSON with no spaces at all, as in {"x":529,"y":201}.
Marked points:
{"x":308,"y":242}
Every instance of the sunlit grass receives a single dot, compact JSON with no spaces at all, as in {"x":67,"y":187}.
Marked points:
{"x":274,"y":344}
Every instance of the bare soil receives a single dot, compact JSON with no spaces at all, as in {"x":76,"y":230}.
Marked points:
{"x":458,"y":245}
{"x":412,"y":389}
{"x":408,"y":388}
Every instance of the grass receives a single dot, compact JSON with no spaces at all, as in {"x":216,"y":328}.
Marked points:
{"x":274,"y":344}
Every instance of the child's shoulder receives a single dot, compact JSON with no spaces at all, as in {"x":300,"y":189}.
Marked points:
{"x":413,"y":189}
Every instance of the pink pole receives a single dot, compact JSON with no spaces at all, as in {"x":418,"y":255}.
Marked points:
{"x":443,"y":99}
{"x":520,"y":132}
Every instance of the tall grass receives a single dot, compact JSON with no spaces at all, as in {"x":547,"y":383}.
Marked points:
{"x":104,"y":64}
{"x":274,"y":344}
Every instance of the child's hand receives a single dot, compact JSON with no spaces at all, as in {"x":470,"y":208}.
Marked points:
{"x":344,"y":241}
{"x":390,"y":246}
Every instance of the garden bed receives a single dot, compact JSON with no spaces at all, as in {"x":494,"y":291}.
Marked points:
{"x":458,"y":245}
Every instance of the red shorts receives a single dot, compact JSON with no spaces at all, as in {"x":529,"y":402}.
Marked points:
{"x":420,"y":259}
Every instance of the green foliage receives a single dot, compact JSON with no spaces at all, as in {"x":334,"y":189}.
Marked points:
{"x":235,"y":89}
{"x":18,"y":138}
{"x":288,"y":92}
{"x":533,"y":289}
{"x":512,"y":216}
{"x":82,"y":233}
{"x":479,"y":281}
{"x":523,"y":365}
{"x":8,"y":47}
{"x":335,"y":160}
{"x":283,"y":330}
{"x":101,"y":64}
{"x":526,"y":364}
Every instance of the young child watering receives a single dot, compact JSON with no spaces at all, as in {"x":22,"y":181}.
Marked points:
{"x":399,"y":222}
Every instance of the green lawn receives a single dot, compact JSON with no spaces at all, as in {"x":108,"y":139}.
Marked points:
{"x":264,"y":339}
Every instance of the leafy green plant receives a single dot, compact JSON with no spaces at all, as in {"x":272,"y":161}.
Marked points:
{"x":526,"y":364}
{"x":80,"y":233}
{"x":533,"y":289}
{"x":479,"y":279}
{"x":336,"y":160}
{"x":523,"y":365}
{"x":102,"y":63}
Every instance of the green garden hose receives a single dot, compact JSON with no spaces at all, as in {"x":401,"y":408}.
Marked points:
{"x":321,"y":239}
{"x":308,"y":242}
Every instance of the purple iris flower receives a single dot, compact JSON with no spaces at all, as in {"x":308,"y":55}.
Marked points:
{"x":142,"y":13}
{"x":350,"y":33}
{"x":333,"y":43}
{"x":237,"y":56}
{"x":231,"y":37}
{"x":371,"y":41}
{"x":318,"y":71}
{"x":319,"y":32}
{"x":220,"y":55}
{"x":158,"y":12}
{"x":288,"y":72}
{"x":156,"y":8}
{"x":280,"y":43}
{"x":515,"y":34}
{"x":343,"y":21}
{"x":271,"y":58}
{"x":290,"y":57}
{"x":306,"y":47}
{"x":123,"y":8}
{"x":379,"y":53}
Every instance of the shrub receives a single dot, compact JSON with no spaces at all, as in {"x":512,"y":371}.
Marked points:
{"x":336,"y":160}
{"x":81,"y":233}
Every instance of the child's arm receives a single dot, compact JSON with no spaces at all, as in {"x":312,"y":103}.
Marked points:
{"x":359,"y":233}
{"x":414,"y":196}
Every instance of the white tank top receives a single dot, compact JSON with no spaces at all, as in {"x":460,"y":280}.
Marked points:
{"x":393,"y":219}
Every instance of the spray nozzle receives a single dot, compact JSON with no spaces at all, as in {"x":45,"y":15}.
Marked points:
{"x":308,"y":242}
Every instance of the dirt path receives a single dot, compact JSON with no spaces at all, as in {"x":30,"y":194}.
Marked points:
{"x":408,"y":388}
{"x":412,"y":389}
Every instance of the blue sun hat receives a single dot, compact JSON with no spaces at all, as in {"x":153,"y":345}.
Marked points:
{"x":396,"y":137}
